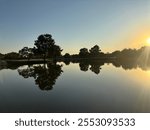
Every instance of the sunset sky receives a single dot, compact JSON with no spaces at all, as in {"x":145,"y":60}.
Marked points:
{"x":111,"y":24}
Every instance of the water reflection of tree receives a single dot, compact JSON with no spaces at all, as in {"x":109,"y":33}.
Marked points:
{"x":94,"y":66}
{"x":129,"y":64}
{"x":126,"y":64}
{"x":84,"y":66}
{"x":45,"y":75}
{"x":67,"y":62}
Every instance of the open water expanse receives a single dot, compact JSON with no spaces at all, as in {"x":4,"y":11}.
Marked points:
{"x":78,"y":87}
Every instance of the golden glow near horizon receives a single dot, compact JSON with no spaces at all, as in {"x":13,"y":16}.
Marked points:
{"x":148,"y":41}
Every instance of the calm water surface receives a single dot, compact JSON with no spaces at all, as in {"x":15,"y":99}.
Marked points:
{"x":74,"y":88}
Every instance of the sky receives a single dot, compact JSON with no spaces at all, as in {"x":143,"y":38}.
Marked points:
{"x":74,"y":24}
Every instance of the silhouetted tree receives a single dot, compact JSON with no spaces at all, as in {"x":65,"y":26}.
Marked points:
{"x":1,"y":56}
{"x":74,"y":56}
{"x":45,"y":45}
{"x":67,"y":59}
{"x":95,"y":51}
{"x":115,"y":53}
{"x":54,"y":51}
{"x":126,"y":54}
{"x":83,"y":52}
{"x":67,"y":55}
{"x":26,"y":52}
{"x":11,"y":55}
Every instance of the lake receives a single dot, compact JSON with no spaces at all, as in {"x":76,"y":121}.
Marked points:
{"x":75,"y":87}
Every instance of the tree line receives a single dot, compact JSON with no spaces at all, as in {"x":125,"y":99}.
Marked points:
{"x":45,"y":47}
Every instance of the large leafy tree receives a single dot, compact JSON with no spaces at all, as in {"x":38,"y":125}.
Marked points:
{"x":45,"y":45}
{"x":26,"y":52}
{"x":95,"y":51}
{"x":83,"y":52}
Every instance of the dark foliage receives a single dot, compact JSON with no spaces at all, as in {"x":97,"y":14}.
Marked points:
{"x":45,"y":75}
{"x":45,"y":45}
{"x":11,"y":55}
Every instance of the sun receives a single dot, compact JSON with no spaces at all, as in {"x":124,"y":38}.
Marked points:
{"x":148,"y":41}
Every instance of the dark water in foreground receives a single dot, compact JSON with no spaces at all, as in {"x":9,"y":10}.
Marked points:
{"x":74,"y":88}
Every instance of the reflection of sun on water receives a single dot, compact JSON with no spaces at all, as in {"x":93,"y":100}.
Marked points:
{"x":141,"y":77}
